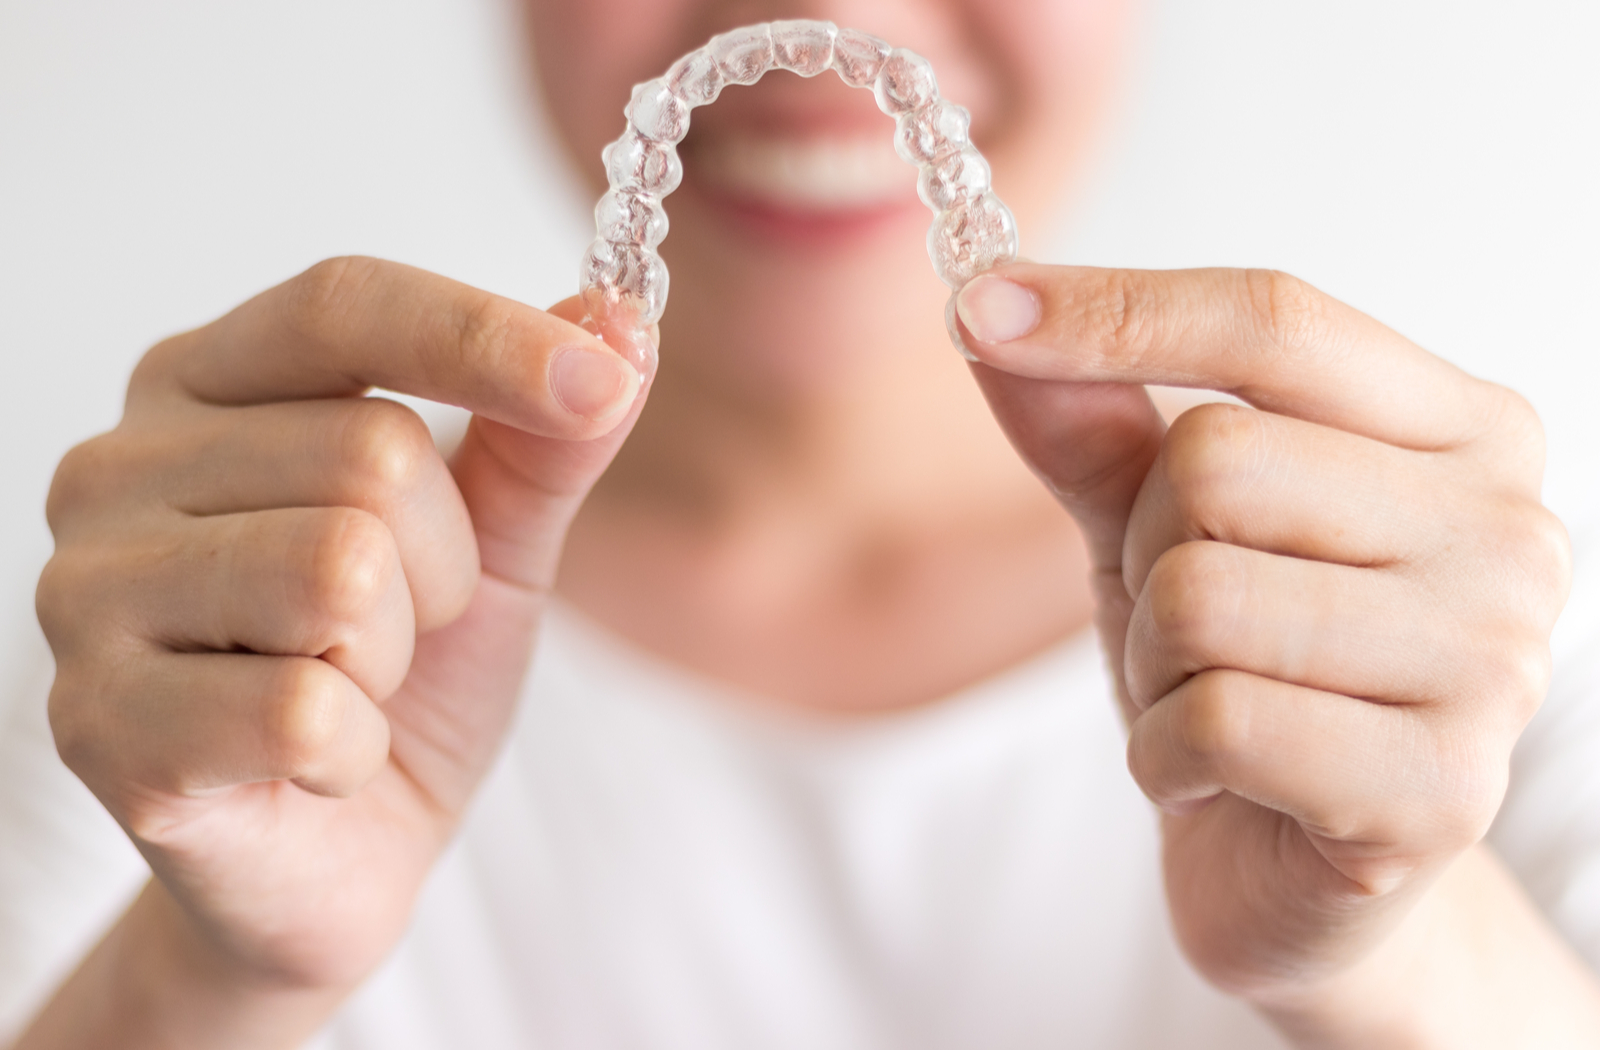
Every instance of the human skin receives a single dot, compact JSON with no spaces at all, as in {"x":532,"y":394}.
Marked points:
{"x":1328,"y":615}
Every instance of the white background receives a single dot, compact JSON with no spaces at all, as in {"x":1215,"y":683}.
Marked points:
{"x":1434,"y":163}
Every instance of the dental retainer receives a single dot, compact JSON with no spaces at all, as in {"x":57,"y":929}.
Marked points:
{"x":623,"y":281}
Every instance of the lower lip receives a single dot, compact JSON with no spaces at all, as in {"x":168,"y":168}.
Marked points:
{"x":799,"y":227}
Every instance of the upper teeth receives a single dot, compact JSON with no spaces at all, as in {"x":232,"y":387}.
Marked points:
{"x":818,"y":173}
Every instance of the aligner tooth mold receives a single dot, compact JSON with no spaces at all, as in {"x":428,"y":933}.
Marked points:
{"x":624,"y":281}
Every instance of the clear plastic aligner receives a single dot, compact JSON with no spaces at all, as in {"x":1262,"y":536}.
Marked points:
{"x":624,"y":281}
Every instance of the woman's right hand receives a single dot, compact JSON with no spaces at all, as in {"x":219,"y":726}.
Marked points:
{"x":289,"y":636}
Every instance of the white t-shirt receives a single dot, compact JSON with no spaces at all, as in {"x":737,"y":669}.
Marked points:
{"x":656,"y":863}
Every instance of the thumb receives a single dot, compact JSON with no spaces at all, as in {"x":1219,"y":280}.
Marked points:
{"x":1092,"y":444}
{"x":521,"y":491}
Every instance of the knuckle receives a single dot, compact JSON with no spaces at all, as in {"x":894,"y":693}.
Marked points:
{"x":1549,"y":556}
{"x":305,"y":714}
{"x":152,"y":369}
{"x":1212,"y":721}
{"x":320,"y":295}
{"x":78,"y":477}
{"x":1150,"y":763}
{"x":352,"y":561}
{"x":52,"y":600}
{"x":1519,"y":676}
{"x":1199,"y":734}
{"x":1286,"y":309}
{"x":485,"y":326}
{"x":1118,"y":313}
{"x":1193,"y":593}
{"x":1471,"y":800}
{"x":1554,"y":543}
{"x":1207,"y":450}
{"x":78,"y":600}
{"x":1517,"y":426}
{"x":88,"y":709}
{"x":71,"y":725}
{"x":1219,"y":428}
{"x":1526,"y":556}
{"x":387,"y":448}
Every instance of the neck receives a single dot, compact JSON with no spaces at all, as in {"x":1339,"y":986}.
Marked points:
{"x":814,"y":543}
{"x":902,"y":435}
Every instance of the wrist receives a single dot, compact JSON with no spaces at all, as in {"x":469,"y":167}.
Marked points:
{"x":1382,"y":1001}
{"x":1473,"y":964}
{"x":156,"y":980}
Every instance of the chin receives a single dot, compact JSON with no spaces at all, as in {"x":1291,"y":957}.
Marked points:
{"x":777,"y":307}
{"x":784,"y":284}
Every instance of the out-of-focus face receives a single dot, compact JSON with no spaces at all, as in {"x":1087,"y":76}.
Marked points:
{"x":797,"y":239}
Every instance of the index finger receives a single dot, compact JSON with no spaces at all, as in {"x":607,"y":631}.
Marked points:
{"x":349,"y":324}
{"x":1265,"y":337}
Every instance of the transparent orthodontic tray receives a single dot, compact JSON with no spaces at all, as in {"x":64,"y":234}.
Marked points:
{"x":623,"y":281}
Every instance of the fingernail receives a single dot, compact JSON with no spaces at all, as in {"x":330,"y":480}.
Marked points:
{"x":996,"y":310}
{"x":589,"y":383}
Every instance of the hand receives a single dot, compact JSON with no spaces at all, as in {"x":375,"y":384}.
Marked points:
{"x":289,"y":636}
{"x":1327,"y":615}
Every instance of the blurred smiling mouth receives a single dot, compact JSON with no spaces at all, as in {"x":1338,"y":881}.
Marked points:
{"x":818,"y":177}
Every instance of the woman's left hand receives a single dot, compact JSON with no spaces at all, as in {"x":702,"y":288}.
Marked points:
{"x":1328,"y":614}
